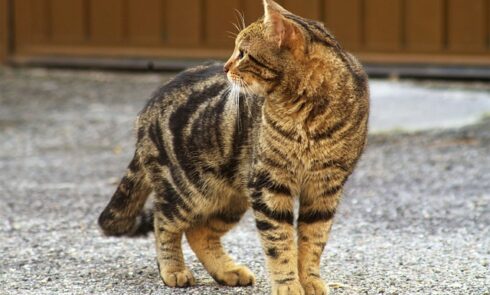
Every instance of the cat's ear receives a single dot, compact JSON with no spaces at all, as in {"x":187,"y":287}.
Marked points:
{"x":274,"y":5}
{"x":279,"y":28}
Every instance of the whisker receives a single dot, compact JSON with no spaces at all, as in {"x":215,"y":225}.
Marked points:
{"x":243,"y":87}
{"x":227,"y":91}
{"x":232,"y":33}
{"x":247,"y":94}
{"x":234,"y":96}
{"x":236,"y":27}
{"x":238,"y":19}
{"x":237,"y":103}
{"x":242,"y":18}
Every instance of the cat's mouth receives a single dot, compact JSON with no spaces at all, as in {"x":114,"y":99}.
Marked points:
{"x":239,"y":85}
{"x":236,"y":82}
{"x":234,"y":78}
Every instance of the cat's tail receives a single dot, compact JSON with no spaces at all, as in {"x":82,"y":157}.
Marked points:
{"x":124,"y":215}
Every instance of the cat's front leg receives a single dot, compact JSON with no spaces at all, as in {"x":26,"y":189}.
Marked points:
{"x":314,"y":223}
{"x":273,"y":206}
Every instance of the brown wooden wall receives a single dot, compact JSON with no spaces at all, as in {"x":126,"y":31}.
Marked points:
{"x":407,"y":31}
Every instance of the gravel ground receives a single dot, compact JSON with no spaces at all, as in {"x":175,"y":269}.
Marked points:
{"x":415,"y":218}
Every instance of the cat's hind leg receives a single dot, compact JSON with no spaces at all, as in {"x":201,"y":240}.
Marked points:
{"x":170,"y":260}
{"x":172,"y":216}
{"x":205,"y":241}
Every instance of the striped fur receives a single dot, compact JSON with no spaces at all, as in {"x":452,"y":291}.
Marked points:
{"x":208,"y":153}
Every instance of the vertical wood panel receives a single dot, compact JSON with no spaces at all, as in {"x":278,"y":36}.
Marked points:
{"x":107,"y":21}
{"x":219,"y":17}
{"x":40,"y":28}
{"x":424,"y":25}
{"x":344,"y":19}
{"x":22,"y":23}
{"x":183,"y":22}
{"x":383,"y":25}
{"x":467,"y":25}
{"x":67,"y":21}
{"x":305,"y":8}
{"x":253,"y":10}
{"x":31,"y":23}
{"x":487,"y":37}
{"x":4,"y":30}
{"x":145,"y":21}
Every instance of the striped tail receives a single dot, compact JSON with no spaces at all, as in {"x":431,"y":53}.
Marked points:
{"x":124,"y":215}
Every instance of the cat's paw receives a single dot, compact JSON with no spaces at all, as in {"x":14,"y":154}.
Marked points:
{"x":238,"y":276}
{"x":293,"y":288}
{"x":315,"y":286}
{"x":178,"y":279}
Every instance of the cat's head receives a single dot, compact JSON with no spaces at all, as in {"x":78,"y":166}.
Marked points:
{"x":281,"y":54}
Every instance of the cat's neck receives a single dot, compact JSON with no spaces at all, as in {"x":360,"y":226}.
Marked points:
{"x":298,"y":105}
{"x":293,"y":109}
{"x":298,"y":115}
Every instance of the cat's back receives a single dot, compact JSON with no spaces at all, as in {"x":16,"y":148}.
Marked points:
{"x":198,"y":83}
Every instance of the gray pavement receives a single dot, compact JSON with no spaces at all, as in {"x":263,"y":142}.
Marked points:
{"x":415,"y":218}
{"x":416,"y":106}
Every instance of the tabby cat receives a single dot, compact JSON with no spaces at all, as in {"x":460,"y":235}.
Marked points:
{"x":284,"y":119}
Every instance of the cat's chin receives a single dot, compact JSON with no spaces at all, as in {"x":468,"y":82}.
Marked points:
{"x":236,"y":87}
{"x":253,"y":89}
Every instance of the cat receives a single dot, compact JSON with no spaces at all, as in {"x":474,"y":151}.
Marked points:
{"x":284,"y":119}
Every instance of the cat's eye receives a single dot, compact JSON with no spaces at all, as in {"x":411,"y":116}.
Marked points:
{"x":241,"y":54}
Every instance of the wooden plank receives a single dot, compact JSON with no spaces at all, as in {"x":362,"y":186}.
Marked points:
{"x":183,"y":23}
{"x":252,"y":10}
{"x":487,"y":37}
{"x":108,"y":21}
{"x":305,"y":8}
{"x":467,"y":26}
{"x":344,"y":19}
{"x":383,"y":25}
{"x":424,"y":25}
{"x":145,"y":22}
{"x":4,"y":30}
{"x":380,"y":31}
{"x":31,"y":23}
{"x":67,"y":21}
{"x":219,"y":16}
{"x":40,"y":20}
{"x":22,"y":18}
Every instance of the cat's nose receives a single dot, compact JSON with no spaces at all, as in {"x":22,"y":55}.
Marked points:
{"x":227,"y":67}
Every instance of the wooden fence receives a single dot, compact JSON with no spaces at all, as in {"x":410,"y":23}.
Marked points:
{"x":379,"y":31}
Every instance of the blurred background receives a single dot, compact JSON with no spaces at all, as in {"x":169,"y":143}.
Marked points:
{"x":397,"y":37}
